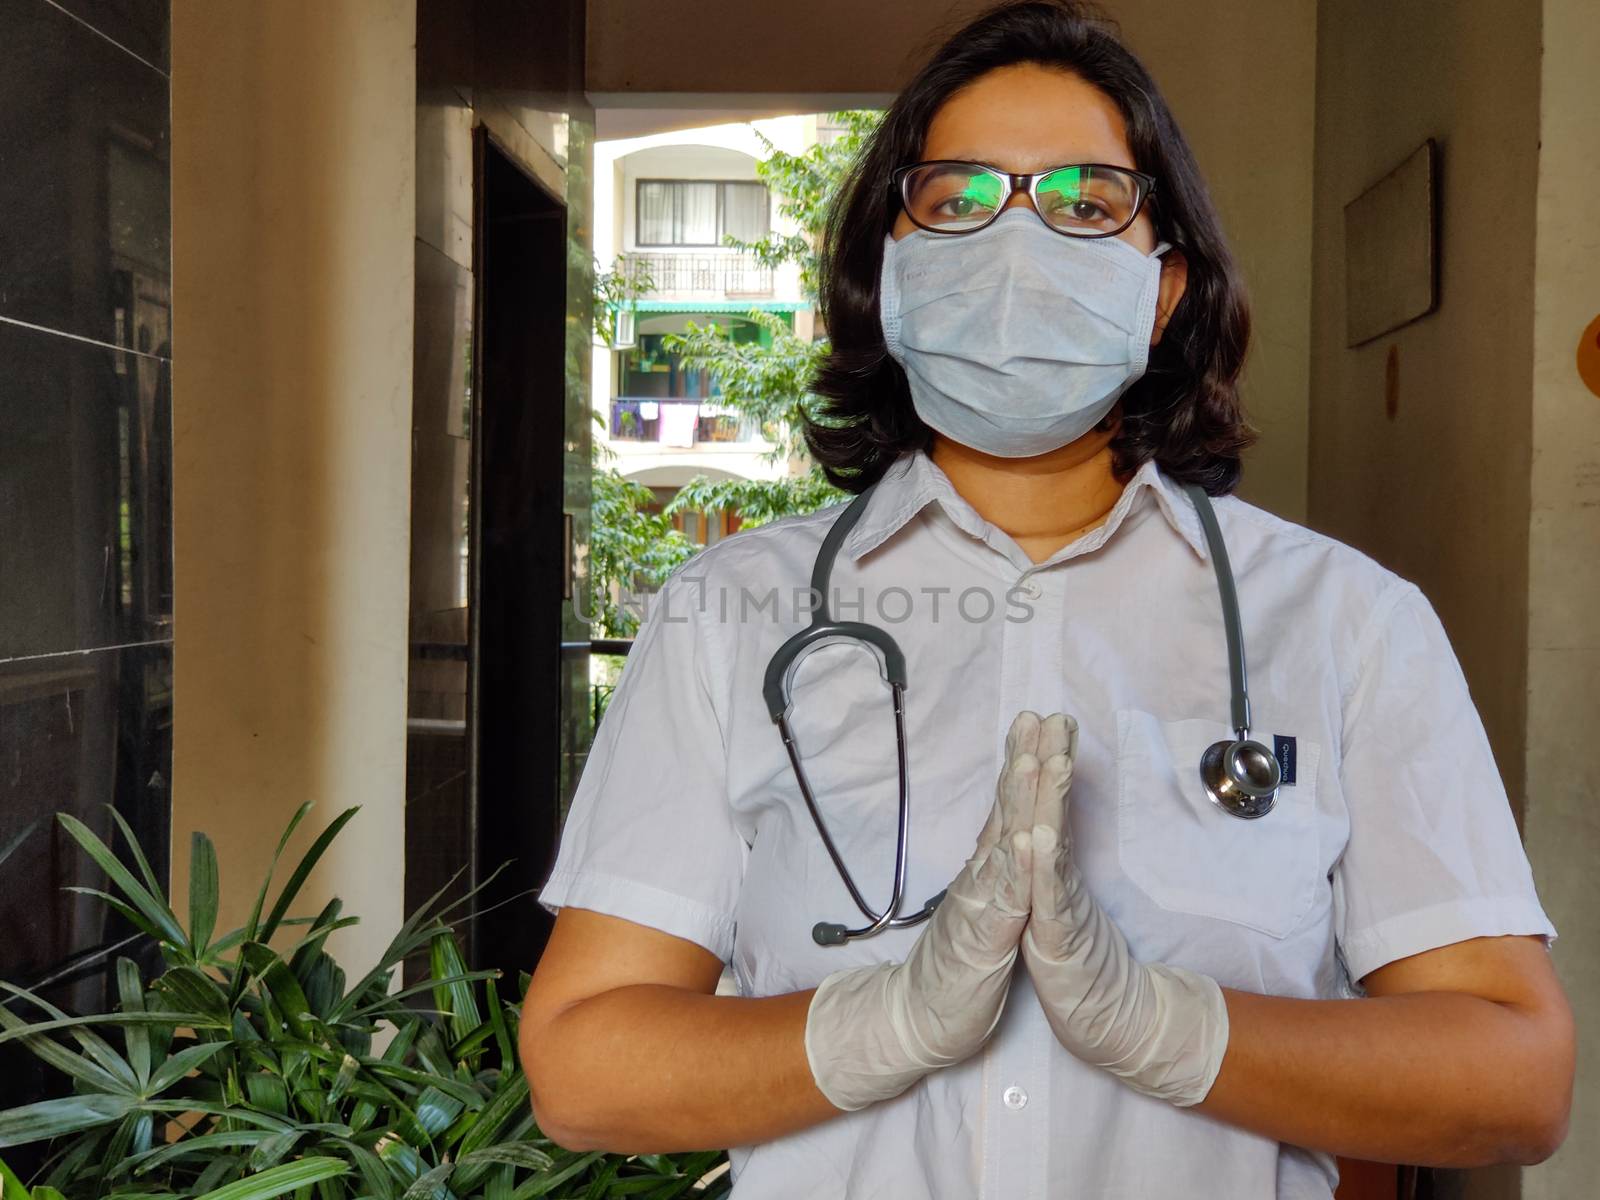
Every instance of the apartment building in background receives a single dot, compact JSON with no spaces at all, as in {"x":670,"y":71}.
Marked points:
{"x":666,"y":201}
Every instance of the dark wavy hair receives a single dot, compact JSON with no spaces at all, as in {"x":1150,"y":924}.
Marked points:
{"x":1184,"y":412}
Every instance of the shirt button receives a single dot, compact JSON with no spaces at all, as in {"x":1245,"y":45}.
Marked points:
{"x":1015,"y":1097}
{"x":1029,"y":588}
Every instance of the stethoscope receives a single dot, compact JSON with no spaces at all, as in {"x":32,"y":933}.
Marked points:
{"x":1240,"y":776}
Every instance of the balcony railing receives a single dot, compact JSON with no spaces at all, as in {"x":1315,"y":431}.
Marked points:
{"x":710,"y":275}
{"x":632,"y":421}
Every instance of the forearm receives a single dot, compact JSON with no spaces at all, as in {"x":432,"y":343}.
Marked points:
{"x":1426,"y":1078}
{"x":653,"y":1069}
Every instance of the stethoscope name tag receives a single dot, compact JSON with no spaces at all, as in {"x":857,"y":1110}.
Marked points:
{"x":1283,"y":749}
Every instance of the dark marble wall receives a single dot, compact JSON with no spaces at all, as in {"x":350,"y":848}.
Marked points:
{"x":85,"y":478}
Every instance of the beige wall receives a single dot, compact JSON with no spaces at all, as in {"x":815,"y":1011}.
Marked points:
{"x":1563,"y":753}
{"x":1439,"y":493}
{"x":293,"y":217}
{"x":1483,"y":486}
{"x":1239,"y":76}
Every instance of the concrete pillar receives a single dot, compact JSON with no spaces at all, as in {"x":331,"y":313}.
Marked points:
{"x":293,"y":217}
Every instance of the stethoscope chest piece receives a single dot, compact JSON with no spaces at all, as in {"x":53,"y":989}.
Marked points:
{"x":1241,"y":777}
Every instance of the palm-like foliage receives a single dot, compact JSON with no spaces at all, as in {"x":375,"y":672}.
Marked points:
{"x":632,"y":550}
{"x":246,"y":1071}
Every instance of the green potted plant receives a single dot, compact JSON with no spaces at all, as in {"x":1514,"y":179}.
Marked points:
{"x":246,"y":1070}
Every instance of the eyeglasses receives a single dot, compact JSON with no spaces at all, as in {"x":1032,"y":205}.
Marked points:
{"x":1087,"y":200}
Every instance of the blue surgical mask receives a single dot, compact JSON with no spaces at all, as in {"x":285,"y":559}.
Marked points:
{"x":1016,"y":339}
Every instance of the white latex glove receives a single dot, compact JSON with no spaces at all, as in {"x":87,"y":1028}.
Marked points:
{"x":1161,"y":1029}
{"x":873,"y":1031}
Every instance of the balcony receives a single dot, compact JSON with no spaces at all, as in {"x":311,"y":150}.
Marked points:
{"x":708,"y":276}
{"x":682,"y":423}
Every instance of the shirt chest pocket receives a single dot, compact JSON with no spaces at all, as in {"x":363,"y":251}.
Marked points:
{"x":1190,"y":856}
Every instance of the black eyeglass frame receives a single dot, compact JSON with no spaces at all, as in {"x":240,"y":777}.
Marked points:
{"x":1023,"y":181}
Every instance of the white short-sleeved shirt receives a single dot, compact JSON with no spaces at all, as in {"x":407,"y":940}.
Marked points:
{"x":1394,"y":837}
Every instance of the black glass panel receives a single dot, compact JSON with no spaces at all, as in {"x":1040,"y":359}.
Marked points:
{"x":140,"y":25}
{"x":438,"y":813}
{"x":77,"y":733}
{"x":84,"y":187}
{"x":85,"y":493}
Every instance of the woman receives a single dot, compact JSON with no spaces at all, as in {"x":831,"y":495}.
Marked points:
{"x":1123,"y":990}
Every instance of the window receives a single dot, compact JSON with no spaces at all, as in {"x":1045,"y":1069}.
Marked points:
{"x":699,"y":212}
{"x":701,"y":528}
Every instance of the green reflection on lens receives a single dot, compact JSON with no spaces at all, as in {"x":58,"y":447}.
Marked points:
{"x":982,"y":189}
{"x":1065,"y":184}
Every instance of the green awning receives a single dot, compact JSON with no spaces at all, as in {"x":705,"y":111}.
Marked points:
{"x":719,"y":306}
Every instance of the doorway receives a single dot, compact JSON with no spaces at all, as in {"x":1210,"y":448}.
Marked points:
{"x":485,"y":719}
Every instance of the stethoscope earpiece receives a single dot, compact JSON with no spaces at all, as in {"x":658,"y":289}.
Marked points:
{"x":825,"y":933}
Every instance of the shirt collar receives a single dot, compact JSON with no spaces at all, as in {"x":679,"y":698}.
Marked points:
{"x":914,"y":479}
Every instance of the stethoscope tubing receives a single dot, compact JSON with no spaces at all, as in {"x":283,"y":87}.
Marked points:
{"x":1223,"y":769}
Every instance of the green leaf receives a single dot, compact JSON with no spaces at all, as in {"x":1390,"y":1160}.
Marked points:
{"x":511,"y":1100}
{"x":192,"y":989}
{"x":52,"y":1118}
{"x":81,"y":1150}
{"x":217,"y":1171}
{"x":157,"y":888}
{"x":130,"y":989}
{"x":301,"y":872}
{"x":418,"y":989}
{"x":281,"y":984}
{"x":465,"y":1094}
{"x":58,"y":1056}
{"x":202,"y":891}
{"x":686,"y":1172}
{"x":431,"y":1186}
{"x":601,"y":1183}
{"x":272,"y":1150}
{"x":502,"y":1032}
{"x":456,"y":997}
{"x":194,"y":1020}
{"x":252,"y":926}
{"x":180,"y":1064}
{"x":322,"y":981}
{"x":516,"y":1154}
{"x":307,"y":949}
{"x":95,"y":1046}
{"x":344,"y":1078}
{"x":374,"y":1175}
{"x":402,"y":1159}
{"x":281,"y":1180}
{"x":394,"y":1053}
{"x":267,"y":1092}
{"x":553,"y":1177}
{"x":202,"y":1143}
{"x":249,"y":1116}
{"x":130,"y":914}
{"x":154,"y":911}
{"x":10,"y":1186}
{"x":431,"y":1051}
{"x":436,"y":1111}
{"x":131,"y":1142}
